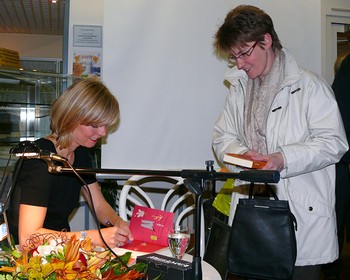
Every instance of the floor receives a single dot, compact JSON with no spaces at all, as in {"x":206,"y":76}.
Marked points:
{"x":345,"y":273}
{"x":346,"y":268}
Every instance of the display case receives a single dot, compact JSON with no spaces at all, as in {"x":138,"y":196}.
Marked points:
{"x":25,"y":101}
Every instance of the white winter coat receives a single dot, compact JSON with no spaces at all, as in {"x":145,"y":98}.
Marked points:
{"x":305,"y":125}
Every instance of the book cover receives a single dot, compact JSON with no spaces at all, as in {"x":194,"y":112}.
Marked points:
{"x":243,"y":161}
{"x":149,"y":228}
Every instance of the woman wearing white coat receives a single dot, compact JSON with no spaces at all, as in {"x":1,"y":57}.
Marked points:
{"x":287,"y":116}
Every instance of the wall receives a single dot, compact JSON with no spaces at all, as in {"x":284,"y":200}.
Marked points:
{"x":159,"y":62}
{"x":37,"y":46}
{"x":83,"y":12}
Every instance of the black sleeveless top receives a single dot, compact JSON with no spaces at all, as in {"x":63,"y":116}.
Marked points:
{"x":59,"y":193}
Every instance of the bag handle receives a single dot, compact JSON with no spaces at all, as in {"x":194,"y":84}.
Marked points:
{"x":273,"y":193}
{"x":268,"y":187}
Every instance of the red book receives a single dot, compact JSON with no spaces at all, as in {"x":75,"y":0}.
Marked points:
{"x":244,"y":161}
{"x":149,"y":228}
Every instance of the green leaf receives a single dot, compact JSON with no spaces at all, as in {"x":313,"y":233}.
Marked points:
{"x":5,"y":262}
{"x":109,"y":189}
{"x":5,"y":276}
{"x":49,"y":258}
{"x":158,"y":277}
{"x":52,"y":276}
{"x":123,"y":259}
{"x":5,"y":248}
{"x":140,"y":267}
{"x":16,"y":254}
{"x":105,"y":267}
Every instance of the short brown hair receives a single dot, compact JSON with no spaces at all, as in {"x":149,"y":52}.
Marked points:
{"x":243,"y":24}
{"x":87,"y":102}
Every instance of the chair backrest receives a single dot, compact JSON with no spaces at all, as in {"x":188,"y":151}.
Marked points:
{"x":177,"y":199}
{"x":216,"y":247}
{"x":133,"y":193}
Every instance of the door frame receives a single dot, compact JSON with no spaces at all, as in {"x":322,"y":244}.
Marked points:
{"x":335,"y":14}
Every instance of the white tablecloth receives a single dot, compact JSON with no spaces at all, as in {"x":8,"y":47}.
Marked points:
{"x":208,"y":271}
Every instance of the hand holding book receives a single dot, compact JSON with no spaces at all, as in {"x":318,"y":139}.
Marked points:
{"x":251,"y":159}
{"x":243,"y":160}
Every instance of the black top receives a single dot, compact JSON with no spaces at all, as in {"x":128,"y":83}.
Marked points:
{"x":341,"y":87}
{"x":60,"y":192}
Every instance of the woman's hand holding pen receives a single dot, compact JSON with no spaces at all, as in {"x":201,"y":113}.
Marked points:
{"x":118,"y":234}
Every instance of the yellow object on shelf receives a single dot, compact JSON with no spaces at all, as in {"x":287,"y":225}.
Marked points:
{"x":9,"y":58}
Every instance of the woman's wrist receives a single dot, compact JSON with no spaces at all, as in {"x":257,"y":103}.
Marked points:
{"x":117,"y":220}
{"x":93,"y":235}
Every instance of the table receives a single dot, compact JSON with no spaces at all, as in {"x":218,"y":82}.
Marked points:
{"x":208,"y":271}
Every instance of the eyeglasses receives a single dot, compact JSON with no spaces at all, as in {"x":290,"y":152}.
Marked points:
{"x":233,"y":58}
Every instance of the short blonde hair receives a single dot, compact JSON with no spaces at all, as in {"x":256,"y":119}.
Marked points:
{"x":86,"y":102}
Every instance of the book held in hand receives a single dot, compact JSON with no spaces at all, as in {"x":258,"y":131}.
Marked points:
{"x":243,"y":161}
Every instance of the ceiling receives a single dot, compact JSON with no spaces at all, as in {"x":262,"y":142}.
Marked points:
{"x":32,"y":17}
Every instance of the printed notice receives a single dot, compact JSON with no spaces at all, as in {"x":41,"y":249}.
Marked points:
{"x":87,"y":36}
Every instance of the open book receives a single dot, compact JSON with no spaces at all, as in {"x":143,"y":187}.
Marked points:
{"x":149,"y":228}
{"x":243,"y":161}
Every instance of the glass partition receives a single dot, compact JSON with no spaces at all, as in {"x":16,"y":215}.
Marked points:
{"x":25,"y":102}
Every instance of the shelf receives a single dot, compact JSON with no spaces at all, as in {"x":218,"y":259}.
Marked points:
{"x":25,"y":101}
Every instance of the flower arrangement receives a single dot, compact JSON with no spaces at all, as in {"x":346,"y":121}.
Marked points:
{"x":54,"y":256}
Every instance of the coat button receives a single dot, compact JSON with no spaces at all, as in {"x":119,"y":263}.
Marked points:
{"x":310,"y":208}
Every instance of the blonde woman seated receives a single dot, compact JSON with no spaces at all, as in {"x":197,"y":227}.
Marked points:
{"x":42,"y":202}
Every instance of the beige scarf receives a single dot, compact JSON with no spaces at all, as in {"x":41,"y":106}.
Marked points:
{"x":258,"y":101}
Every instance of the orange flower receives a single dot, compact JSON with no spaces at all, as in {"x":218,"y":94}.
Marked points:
{"x":56,"y":257}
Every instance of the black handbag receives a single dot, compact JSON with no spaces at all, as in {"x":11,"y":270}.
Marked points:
{"x":262,"y":242}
